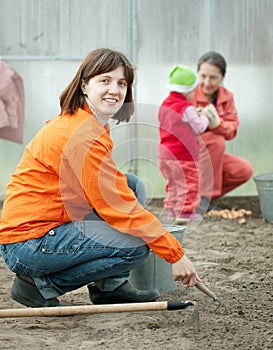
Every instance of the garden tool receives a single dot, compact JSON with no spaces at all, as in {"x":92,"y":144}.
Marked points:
{"x":108,"y":308}
{"x":208,"y":292}
{"x":94,"y":309}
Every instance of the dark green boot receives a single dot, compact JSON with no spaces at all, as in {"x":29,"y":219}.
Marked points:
{"x":123,"y":294}
{"x":25,"y":292}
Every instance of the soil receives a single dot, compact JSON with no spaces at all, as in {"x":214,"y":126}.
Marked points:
{"x":235,"y":261}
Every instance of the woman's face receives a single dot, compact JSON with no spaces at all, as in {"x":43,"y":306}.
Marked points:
{"x":210,"y":78}
{"x":107,"y":91}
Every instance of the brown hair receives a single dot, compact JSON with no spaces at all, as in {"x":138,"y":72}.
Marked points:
{"x":98,"y":62}
{"x":214,"y":58}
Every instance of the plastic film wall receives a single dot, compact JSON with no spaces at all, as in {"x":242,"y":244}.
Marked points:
{"x":45,"y":41}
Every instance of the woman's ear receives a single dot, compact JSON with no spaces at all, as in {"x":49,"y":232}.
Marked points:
{"x":83,"y":87}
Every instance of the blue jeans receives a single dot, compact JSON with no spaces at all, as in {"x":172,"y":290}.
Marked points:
{"x":77,"y":253}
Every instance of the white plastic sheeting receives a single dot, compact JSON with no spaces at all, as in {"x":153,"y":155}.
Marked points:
{"x":45,"y":40}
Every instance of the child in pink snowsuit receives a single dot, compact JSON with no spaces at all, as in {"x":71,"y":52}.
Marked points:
{"x":179,"y":127}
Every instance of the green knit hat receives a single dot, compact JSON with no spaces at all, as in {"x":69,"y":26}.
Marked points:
{"x":182,"y":79}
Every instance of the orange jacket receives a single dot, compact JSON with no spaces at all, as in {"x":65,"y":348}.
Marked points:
{"x":226,"y":110}
{"x":65,"y":172}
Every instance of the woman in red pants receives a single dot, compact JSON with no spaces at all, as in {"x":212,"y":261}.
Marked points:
{"x":229,"y":171}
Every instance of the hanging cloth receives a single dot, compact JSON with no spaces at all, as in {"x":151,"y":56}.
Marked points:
{"x":11,"y":104}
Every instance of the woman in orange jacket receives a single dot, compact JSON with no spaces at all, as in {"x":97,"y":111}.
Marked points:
{"x":67,"y":173}
{"x":219,"y":172}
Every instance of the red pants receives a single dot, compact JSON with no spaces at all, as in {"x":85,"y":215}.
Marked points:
{"x":182,"y":188}
{"x":220,"y":172}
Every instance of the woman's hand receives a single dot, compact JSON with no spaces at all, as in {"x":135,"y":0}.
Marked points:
{"x":183,"y":270}
{"x":199,"y":110}
{"x":212,"y":115}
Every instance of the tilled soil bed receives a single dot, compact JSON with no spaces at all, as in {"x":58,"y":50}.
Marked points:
{"x":235,"y":261}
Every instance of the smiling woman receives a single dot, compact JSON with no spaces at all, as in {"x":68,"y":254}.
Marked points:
{"x":97,"y":64}
{"x":106,"y":92}
{"x":70,"y":217}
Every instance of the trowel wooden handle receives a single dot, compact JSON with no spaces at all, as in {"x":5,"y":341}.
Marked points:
{"x":204,"y":289}
{"x":94,"y":309}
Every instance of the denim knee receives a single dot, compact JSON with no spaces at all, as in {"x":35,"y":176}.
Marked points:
{"x":141,"y":253}
{"x":137,"y":185}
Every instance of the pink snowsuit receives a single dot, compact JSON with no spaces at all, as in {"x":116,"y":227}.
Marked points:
{"x":179,"y":153}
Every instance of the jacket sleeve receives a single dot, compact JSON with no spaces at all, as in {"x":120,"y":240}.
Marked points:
{"x":229,"y":119}
{"x":198,"y":123}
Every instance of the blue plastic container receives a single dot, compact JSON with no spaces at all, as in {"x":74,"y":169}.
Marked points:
{"x":264,"y":184}
{"x":156,"y":272}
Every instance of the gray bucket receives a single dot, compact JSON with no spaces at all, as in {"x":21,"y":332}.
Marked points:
{"x":264,"y":184}
{"x":155,"y":272}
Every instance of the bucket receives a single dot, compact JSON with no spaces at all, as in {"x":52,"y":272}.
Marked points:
{"x":264,"y":184}
{"x":155,"y":272}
